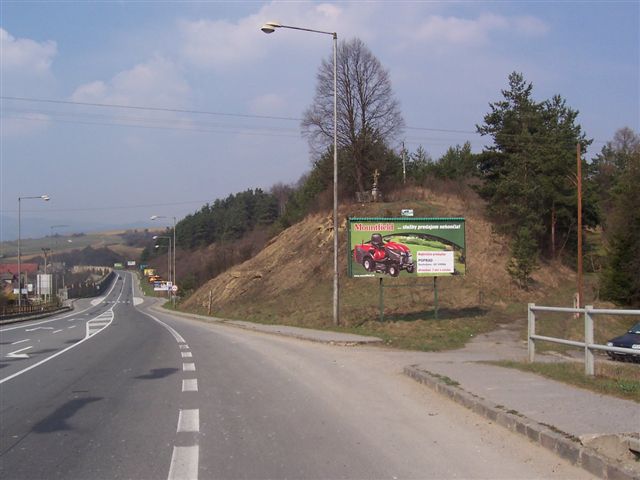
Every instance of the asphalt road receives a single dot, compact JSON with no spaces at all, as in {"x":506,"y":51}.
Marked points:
{"x":132,"y":393}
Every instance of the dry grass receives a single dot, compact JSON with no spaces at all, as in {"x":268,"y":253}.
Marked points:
{"x":289,"y":281}
{"x":620,"y":380}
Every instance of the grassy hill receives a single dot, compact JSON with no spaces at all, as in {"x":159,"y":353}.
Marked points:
{"x":290,"y":282}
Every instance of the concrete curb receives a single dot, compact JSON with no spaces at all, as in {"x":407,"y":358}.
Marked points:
{"x":561,"y":443}
{"x":271,"y":329}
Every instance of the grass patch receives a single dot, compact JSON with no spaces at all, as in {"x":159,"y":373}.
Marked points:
{"x":622,"y":381}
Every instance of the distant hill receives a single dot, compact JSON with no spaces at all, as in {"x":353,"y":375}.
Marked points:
{"x":124,"y":244}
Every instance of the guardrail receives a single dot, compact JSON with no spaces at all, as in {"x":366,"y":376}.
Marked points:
{"x":588,"y":345}
{"x":9,"y":311}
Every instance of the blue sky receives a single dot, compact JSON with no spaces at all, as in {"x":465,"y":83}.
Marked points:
{"x":118,"y":166}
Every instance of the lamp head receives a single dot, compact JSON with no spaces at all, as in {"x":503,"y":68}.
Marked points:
{"x":270,"y":27}
{"x":153,"y":217}
{"x":46,"y":198}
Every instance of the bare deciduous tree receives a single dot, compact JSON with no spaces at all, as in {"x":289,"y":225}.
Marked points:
{"x":368,"y":113}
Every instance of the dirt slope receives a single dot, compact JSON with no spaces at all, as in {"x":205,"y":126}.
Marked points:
{"x":290,"y":280}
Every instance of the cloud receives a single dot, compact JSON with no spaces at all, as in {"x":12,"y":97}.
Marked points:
{"x":158,"y":82}
{"x":456,"y":31}
{"x":25,"y":55}
{"x":223,"y":44}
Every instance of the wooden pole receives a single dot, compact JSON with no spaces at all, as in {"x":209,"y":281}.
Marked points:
{"x":579,"y":178}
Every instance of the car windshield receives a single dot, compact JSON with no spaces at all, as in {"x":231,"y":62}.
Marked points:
{"x":635,"y":329}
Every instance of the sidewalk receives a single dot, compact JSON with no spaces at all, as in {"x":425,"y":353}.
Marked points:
{"x":591,"y":430}
{"x":587,"y":429}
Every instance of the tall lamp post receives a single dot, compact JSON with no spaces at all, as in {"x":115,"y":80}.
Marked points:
{"x":41,"y":197}
{"x":55,"y":289}
{"x":156,"y":237}
{"x":270,"y":27}
{"x":175,"y":276}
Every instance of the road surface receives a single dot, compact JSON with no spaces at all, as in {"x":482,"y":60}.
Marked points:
{"x":115,"y":390}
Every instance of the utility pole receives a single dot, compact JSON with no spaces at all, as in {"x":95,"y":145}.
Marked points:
{"x":404,"y":165}
{"x":579,"y":177}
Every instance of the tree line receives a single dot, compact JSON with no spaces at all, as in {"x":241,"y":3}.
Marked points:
{"x":526,"y":173}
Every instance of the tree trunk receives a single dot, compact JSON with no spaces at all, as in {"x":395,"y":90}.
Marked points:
{"x":553,"y":232}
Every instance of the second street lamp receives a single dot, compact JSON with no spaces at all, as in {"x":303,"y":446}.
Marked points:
{"x":156,"y":237}
{"x":41,"y":197}
{"x":271,"y":27}
{"x":175,"y":276}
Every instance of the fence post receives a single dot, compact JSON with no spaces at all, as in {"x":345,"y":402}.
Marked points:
{"x":531,"y":330}
{"x":589,"y":367}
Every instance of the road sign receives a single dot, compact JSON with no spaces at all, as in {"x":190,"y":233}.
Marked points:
{"x":174,"y":288}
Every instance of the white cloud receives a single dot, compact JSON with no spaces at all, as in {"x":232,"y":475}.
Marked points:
{"x":456,"y":31}
{"x":158,"y":82}
{"x":25,"y":55}
{"x":222,"y":44}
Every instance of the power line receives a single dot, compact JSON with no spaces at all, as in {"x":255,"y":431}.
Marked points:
{"x":152,"y":109}
{"x":213,"y":113}
{"x":114,"y":207}
{"x":198,"y":112}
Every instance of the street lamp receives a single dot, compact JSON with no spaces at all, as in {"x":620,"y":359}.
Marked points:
{"x":41,"y":197}
{"x":271,"y":27}
{"x":156,"y":237}
{"x":55,"y":288}
{"x":175,"y":276}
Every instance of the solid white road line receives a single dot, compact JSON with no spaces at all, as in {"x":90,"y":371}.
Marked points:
{"x":186,"y":354}
{"x":188,"y":367}
{"x":20,"y":341}
{"x":57,"y":318}
{"x":184,"y":463}
{"x":175,"y":334}
{"x":45,"y":360}
{"x":189,"y":421}
{"x":190,"y":385}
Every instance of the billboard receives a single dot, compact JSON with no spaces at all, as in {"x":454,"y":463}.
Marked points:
{"x":43,"y":284}
{"x":406,"y":247}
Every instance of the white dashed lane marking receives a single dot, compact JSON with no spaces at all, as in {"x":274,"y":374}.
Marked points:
{"x":184,"y":463}
{"x":189,"y":421}
{"x":186,"y":354}
{"x":190,"y":385}
{"x":188,"y":367}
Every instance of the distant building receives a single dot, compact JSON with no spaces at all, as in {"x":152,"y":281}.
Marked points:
{"x":25,"y":268}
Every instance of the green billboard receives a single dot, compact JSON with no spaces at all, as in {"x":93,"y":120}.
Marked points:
{"x":406,"y":247}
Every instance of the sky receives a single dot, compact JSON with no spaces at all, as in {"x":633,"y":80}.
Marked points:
{"x":120,"y":110}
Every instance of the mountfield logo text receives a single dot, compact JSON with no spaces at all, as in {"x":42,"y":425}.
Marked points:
{"x":373,"y":227}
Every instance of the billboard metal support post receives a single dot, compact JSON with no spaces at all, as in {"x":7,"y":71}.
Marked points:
{"x":435,"y":297}
{"x":381,"y":300}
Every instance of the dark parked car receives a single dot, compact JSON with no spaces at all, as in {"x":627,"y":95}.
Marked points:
{"x":631,"y":339}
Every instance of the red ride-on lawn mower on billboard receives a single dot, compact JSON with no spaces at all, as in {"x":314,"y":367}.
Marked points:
{"x":384,"y":256}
